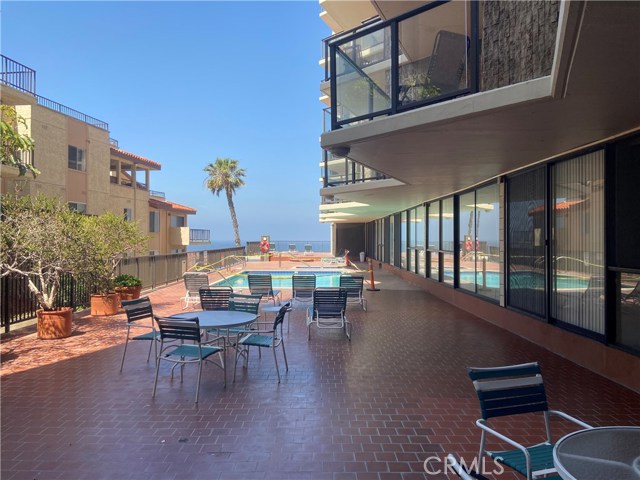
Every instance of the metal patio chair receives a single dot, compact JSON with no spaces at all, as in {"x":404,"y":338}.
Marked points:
{"x":138,"y":311}
{"x":187,"y":330}
{"x":354,"y":285}
{"x":215,"y":298}
{"x":268,"y":335}
{"x":514,"y":390}
{"x":262,"y":283}
{"x":193,"y":282}
{"x":329,"y":310}
{"x":461,"y":470}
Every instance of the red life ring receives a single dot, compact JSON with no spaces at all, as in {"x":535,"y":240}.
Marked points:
{"x":264,"y":246}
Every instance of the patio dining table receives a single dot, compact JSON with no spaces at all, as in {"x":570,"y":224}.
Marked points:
{"x":219,"y":319}
{"x":604,"y":453}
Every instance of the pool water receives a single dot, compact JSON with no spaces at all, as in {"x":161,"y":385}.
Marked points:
{"x":282,"y":279}
{"x":525,"y":280}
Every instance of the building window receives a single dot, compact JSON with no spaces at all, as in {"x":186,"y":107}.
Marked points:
{"x":479,"y":220}
{"x":526,"y":239}
{"x":447,"y":240}
{"x":128,"y":214}
{"x":577,"y":244}
{"x":78,"y":207}
{"x":433,"y":256}
{"x":178,"y":221}
{"x":154,"y":221}
{"x":77,"y":158}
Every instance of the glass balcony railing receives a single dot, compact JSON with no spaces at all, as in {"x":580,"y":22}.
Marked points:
{"x":425,"y":56}
{"x":336,"y":171}
{"x":437,"y":52}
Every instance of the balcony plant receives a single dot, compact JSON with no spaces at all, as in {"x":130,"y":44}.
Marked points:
{"x":41,"y":240}
{"x":128,"y":287}
{"x":112,"y":238}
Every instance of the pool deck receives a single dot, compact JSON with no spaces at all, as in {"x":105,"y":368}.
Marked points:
{"x":373,"y":408}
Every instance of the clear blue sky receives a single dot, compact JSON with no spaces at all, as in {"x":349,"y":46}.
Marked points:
{"x":182,"y":83}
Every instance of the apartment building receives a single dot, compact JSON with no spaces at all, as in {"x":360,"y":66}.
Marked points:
{"x":490,"y":152}
{"x":82,"y":165}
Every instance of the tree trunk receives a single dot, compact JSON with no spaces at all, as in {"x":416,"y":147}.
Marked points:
{"x":234,"y":220}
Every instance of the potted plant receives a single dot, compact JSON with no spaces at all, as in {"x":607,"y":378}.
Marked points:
{"x":128,"y":287}
{"x":112,"y":238}
{"x":41,"y":240}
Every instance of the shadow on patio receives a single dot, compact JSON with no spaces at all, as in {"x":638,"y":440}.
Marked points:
{"x":373,"y":408}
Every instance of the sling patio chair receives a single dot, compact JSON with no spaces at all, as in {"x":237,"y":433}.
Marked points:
{"x":193,"y":282}
{"x":308,"y":249}
{"x":515,"y":390}
{"x":262,"y":283}
{"x":215,"y":298}
{"x":196,"y":351}
{"x":140,"y":316}
{"x":329,"y":310}
{"x":354,"y":285}
{"x":302,"y":287}
{"x":268,"y":335}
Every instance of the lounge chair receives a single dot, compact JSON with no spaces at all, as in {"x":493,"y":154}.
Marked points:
{"x":293,"y":248}
{"x":193,"y":282}
{"x":261,"y":283}
{"x":308,"y":249}
{"x":514,"y":390}
{"x":354,"y":285}
{"x":342,"y":261}
{"x":329,"y":310}
{"x":302,"y":287}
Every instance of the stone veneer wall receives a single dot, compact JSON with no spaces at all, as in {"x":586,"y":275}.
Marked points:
{"x":518,"y":41}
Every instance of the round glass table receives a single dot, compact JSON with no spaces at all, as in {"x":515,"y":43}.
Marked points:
{"x":219,"y":319}
{"x":604,"y":453}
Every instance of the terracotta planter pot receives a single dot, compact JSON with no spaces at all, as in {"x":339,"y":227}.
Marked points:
{"x":128,"y":293}
{"x":54,"y":324}
{"x":108,"y":304}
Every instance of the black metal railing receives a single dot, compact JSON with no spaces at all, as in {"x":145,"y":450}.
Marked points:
{"x":18,"y":304}
{"x":197,"y":235}
{"x":70,"y":112}
{"x":380,"y":70}
{"x":156,"y":193}
{"x":113,"y":142}
{"x":17,"y":75}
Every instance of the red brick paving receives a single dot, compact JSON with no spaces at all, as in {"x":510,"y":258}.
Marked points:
{"x":373,"y":408}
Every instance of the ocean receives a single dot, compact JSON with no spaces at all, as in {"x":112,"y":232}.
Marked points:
{"x":276,"y":245}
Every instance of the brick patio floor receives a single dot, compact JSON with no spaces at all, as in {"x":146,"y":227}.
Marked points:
{"x":373,"y":408}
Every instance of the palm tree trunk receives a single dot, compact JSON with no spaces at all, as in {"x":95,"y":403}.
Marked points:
{"x":234,"y":219}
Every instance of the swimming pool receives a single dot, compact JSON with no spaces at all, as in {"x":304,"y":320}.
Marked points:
{"x":282,"y":278}
{"x":525,"y":280}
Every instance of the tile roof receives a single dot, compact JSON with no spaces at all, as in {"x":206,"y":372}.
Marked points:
{"x":166,"y":205}
{"x":137,"y":159}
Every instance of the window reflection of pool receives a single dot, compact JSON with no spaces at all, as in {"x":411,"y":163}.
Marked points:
{"x":282,"y":279}
{"x":525,"y":280}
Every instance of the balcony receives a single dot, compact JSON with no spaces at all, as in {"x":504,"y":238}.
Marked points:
{"x":179,"y":236}
{"x":199,"y":236}
{"x":184,"y":236}
{"x":435,"y":53}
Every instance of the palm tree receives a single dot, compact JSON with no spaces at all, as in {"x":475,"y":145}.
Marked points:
{"x":225,"y":175}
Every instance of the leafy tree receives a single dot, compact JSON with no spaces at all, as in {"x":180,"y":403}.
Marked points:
{"x":13,"y":142}
{"x":224,"y":175}
{"x":40,"y":239}
{"x":110,"y":238}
